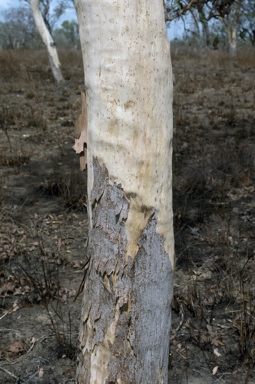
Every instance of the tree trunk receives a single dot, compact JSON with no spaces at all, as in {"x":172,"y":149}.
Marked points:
{"x":48,"y":41}
{"x":233,"y":42}
{"x":230,"y":24}
{"x":206,"y":34}
{"x":126,"y":314}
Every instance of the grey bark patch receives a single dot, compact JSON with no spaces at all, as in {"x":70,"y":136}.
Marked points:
{"x":101,"y":178}
{"x":107,"y":250}
{"x":141,"y":289}
{"x":146,"y":328}
{"x":152,"y":296}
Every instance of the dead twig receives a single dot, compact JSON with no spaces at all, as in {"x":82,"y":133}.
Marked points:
{"x":11,"y":374}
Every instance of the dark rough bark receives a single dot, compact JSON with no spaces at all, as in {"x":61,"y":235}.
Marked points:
{"x":140,"y":289}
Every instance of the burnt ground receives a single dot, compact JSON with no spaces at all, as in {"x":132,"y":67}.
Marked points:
{"x":44,"y":227}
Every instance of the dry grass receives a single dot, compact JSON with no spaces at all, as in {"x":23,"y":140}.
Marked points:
{"x":218,"y":59}
{"x":214,"y":178}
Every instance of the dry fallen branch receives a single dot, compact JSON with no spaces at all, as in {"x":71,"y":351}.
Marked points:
{"x":9,"y":373}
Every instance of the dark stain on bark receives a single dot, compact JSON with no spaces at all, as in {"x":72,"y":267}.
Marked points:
{"x":142,"y":289}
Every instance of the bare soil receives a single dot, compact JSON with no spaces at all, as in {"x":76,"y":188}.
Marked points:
{"x":44,"y":225}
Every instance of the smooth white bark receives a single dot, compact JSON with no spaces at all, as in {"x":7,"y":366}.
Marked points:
{"x":128,"y":81}
{"x":48,"y":41}
{"x":129,"y":98}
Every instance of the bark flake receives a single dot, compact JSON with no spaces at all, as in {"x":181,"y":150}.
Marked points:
{"x":81,"y":134}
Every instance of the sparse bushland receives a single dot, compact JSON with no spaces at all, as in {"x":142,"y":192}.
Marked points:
{"x":214,"y":178}
{"x":43,"y":203}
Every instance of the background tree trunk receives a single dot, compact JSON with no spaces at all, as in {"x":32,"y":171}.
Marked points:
{"x":48,"y":41}
{"x":230,"y":24}
{"x":126,"y":315}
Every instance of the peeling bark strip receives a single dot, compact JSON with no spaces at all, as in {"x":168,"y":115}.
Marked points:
{"x":81,"y":134}
{"x":126,"y":311}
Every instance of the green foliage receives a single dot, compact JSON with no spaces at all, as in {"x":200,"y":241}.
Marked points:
{"x":247,"y":21}
{"x":52,"y":15}
{"x":18,"y":29}
{"x":68,"y":35}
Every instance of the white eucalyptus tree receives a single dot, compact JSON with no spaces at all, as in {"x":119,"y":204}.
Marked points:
{"x":127,"y":134}
{"x":48,"y":41}
{"x":231,"y":24}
